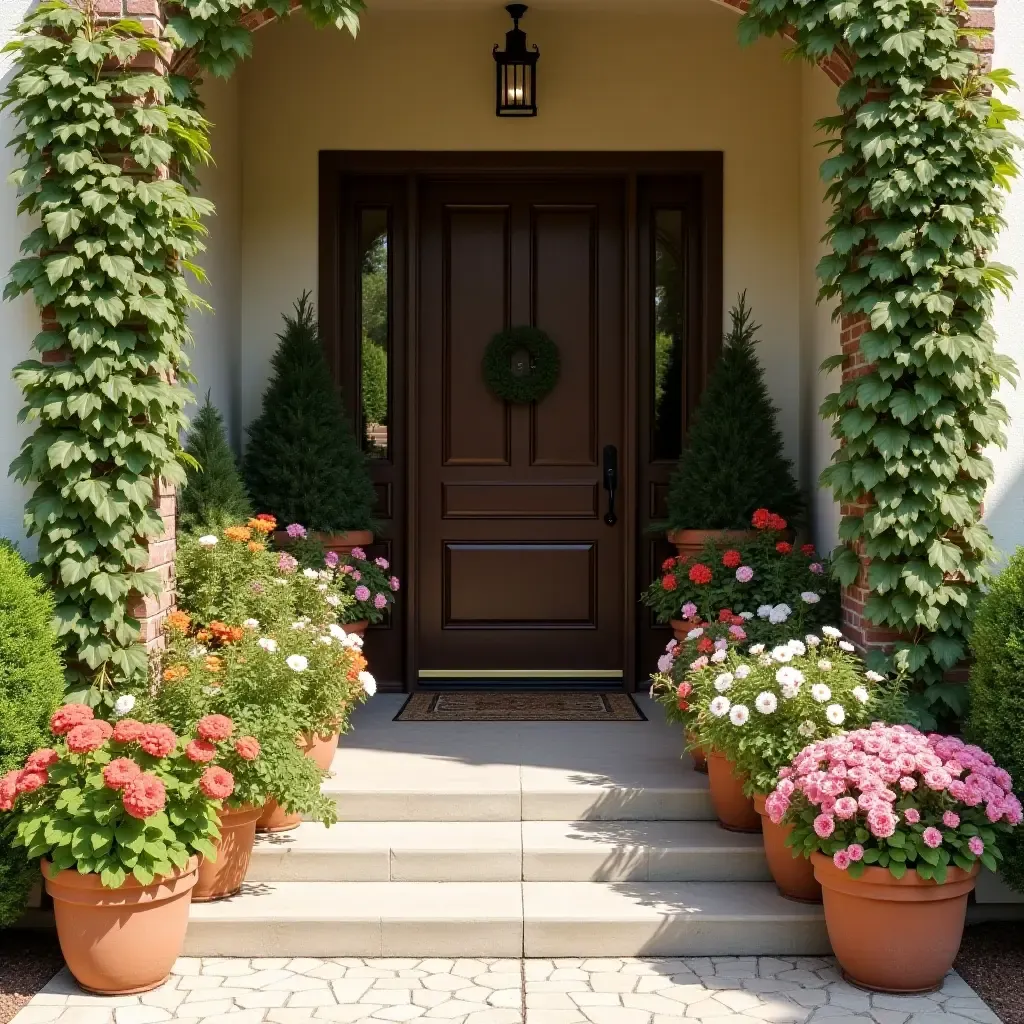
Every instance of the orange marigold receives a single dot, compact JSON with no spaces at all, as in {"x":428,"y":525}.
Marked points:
{"x":204,"y":636}
{"x":263,"y":523}
{"x":178,"y":621}
{"x":254,"y":546}
{"x":212,"y":663}
{"x":238,"y":533}
{"x":175,"y":672}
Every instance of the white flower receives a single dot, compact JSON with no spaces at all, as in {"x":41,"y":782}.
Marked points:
{"x":199,"y":651}
{"x":299,"y":624}
{"x":333,"y":600}
{"x":694,"y":633}
{"x":123,"y":705}
{"x":267,"y":643}
{"x":326,"y":638}
{"x":807,"y":728}
{"x":352,"y":641}
{"x":210,"y":690}
{"x":811,"y":640}
{"x":251,"y":623}
{"x":746,"y":616}
{"x":873,"y":676}
{"x":208,"y":540}
{"x":296,"y":662}
{"x":756,"y":648}
{"x":780,"y":613}
{"x":325,"y":575}
{"x":797,"y":647}
{"x":719,"y":706}
{"x":738,"y":714}
{"x":765,"y":659}
{"x":280,"y":581}
{"x":835,"y":714}
{"x":846,"y":646}
{"x":861,"y":694}
{"x":825,"y":665}
{"x":764,"y":611}
{"x":782,"y":654}
{"x":368,"y":683}
{"x":766,"y":702}
{"x":821,"y":693}
{"x":322,"y":587}
{"x":336,"y":631}
{"x":831,"y":632}
{"x":723,"y":682}
{"x":310,"y":574}
{"x":719,"y":656}
{"x":790,"y":675}
{"x":789,"y":690}
{"x":742,"y":671}
{"x":810,"y":597}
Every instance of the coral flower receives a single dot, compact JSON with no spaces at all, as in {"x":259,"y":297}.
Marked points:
{"x":178,"y":621}
{"x":705,"y":645}
{"x":200,"y":751}
{"x":760,"y":519}
{"x":668,"y":565}
{"x":144,"y":796}
{"x":700,"y":574}
{"x":30,"y":781}
{"x":217,"y":783}
{"x":87,"y":737}
{"x":157,"y":740}
{"x":9,"y":789}
{"x":128,"y":730}
{"x":65,"y":718}
{"x":731,"y":558}
{"x":214,"y":728}
{"x":248,"y":747}
{"x":668,"y":582}
{"x":40,"y":760}
{"x":119,"y":772}
{"x":783,"y":547}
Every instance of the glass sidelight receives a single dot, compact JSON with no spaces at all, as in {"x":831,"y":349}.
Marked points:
{"x":669,"y":342}
{"x":375,"y":333}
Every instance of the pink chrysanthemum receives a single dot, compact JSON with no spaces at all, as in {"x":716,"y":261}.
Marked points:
{"x":932,"y":837}
{"x":976,"y":846}
{"x":855,"y":852}
{"x":841,"y":859}
{"x":824,"y":825}
{"x":362,"y":593}
{"x":951,"y":819}
{"x":913,"y":815}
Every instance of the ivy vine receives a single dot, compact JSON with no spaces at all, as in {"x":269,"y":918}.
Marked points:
{"x":920,"y":155}
{"x":109,"y":148}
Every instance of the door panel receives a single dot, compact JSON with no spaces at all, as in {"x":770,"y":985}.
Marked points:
{"x":517,"y":569}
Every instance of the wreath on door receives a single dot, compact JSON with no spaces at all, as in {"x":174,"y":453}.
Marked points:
{"x":521,"y":365}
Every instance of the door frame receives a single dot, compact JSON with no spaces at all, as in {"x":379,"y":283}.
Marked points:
{"x":406,"y":169}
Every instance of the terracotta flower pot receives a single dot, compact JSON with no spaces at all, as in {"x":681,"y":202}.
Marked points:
{"x":700,"y":760}
{"x":319,"y":749}
{"x":121,"y":941}
{"x":343,"y":543}
{"x":680,"y":629}
{"x":793,"y":875}
{"x":275,"y":819}
{"x":894,"y":935}
{"x":734,"y":810}
{"x":359,"y":628}
{"x":692,"y":542}
{"x":224,"y":876}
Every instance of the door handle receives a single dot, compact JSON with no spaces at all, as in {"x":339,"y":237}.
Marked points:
{"x":610,"y":476}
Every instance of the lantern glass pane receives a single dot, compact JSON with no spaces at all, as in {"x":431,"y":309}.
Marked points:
{"x":374,"y":331}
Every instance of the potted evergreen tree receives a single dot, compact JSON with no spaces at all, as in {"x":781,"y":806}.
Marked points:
{"x":732,"y":463}
{"x":303,"y":464}
{"x":214,"y":495}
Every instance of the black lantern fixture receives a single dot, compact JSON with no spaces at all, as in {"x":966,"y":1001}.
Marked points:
{"x":516,"y":70}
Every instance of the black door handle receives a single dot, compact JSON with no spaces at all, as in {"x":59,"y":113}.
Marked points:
{"x":610,"y":475}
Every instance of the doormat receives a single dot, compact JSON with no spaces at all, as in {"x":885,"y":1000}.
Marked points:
{"x":519,"y":706}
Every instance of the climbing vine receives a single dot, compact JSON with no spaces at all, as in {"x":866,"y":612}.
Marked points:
{"x":920,"y":154}
{"x":109,"y":148}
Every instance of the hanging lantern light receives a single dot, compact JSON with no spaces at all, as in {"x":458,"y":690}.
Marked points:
{"x":516,"y":71}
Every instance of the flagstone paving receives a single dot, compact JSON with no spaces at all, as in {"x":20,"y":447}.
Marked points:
{"x":649,"y":990}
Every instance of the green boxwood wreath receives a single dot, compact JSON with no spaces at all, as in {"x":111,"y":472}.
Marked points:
{"x":544,"y":362}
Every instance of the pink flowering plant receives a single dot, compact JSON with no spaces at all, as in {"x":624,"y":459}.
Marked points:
{"x":896,"y":798}
{"x":115,"y":800}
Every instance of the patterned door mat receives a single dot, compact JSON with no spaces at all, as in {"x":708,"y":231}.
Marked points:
{"x":519,"y":706}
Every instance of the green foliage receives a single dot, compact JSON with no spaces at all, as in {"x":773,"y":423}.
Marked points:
{"x":733,"y":463}
{"x":303,"y":463}
{"x":31,"y":687}
{"x":922,"y":146}
{"x":541,"y":376}
{"x":374,"y":383}
{"x":213,"y":495}
{"x":997,"y":696}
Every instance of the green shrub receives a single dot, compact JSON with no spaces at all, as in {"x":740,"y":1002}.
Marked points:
{"x":733,"y":461}
{"x":375,"y":383}
{"x":214,"y":495}
{"x":303,"y":463}
{"x":996,"y":719}
{"x":31,"y":688}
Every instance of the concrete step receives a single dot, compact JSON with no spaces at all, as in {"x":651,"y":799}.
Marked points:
{"x":452,"y":851}
{"x":505,"y":919}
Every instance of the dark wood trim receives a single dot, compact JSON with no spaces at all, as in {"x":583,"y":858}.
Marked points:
{"x":631,"y":482}
{"x":412,"y":320}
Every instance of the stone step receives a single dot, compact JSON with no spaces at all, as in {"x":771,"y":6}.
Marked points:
{"x":505,"y":919}
{"x":450,"y":851}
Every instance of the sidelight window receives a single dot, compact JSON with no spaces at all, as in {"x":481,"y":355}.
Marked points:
{"x":668,"y":381}
{"x":375,"y":330}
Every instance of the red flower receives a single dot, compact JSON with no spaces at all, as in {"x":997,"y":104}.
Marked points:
{"x":736,"y":620}
{"x":705,"y":645}
{"x":87,"y":737}
{"x":760,"y":519}
{"x":731,"y":558}
{"x":65,"y":718}
{"x":217,"y":783}
{"x":200,"y":751}
{"x":248,"y":747}
{"x":807,"y":549}
{"x":684,"y":705}
{"x":776,"y":522}
{"x":9,"y":789}
{"x":668,"y":583}
{"x":144,"y":796}
{"x":120,"y":772}
{"x":700,"y":574}
{"x":158,"y":740}
{"x":30,"y":781}
{"x":668,"y":565}
{"x":215,"y":728}
{"x":725,"y":615}
{"x":40,"y":760}
{"x":783,"y":547}
{"x":127,"y":730}
{"x":685,"y":689}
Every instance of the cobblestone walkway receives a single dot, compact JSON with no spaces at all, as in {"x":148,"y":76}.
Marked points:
{"x":654,"y":990}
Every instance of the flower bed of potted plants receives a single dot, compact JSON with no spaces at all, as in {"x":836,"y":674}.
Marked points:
{"x":897,"y":825}
{"x":119,"y":816}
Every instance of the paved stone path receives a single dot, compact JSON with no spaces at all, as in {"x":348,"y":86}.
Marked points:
{"x":650,"y":990}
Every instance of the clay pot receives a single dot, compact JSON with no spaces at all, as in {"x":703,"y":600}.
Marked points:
{"x":680,"y":629}
{"x":275,"y":819}
{"x":121,"y":941}
{"x":320,"y":749}
{"x":734,"y":810}
{"x":224,"y":876}
{"x":359,"y":628}
{"x":793,"y":873}
{"x":894,"y":935}
{"x":700,"y":760}
{"x":692,"y":542}
{"x":343,"y":543}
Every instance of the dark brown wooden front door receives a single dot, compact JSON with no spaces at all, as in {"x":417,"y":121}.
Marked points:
{"x":517,"y":569}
